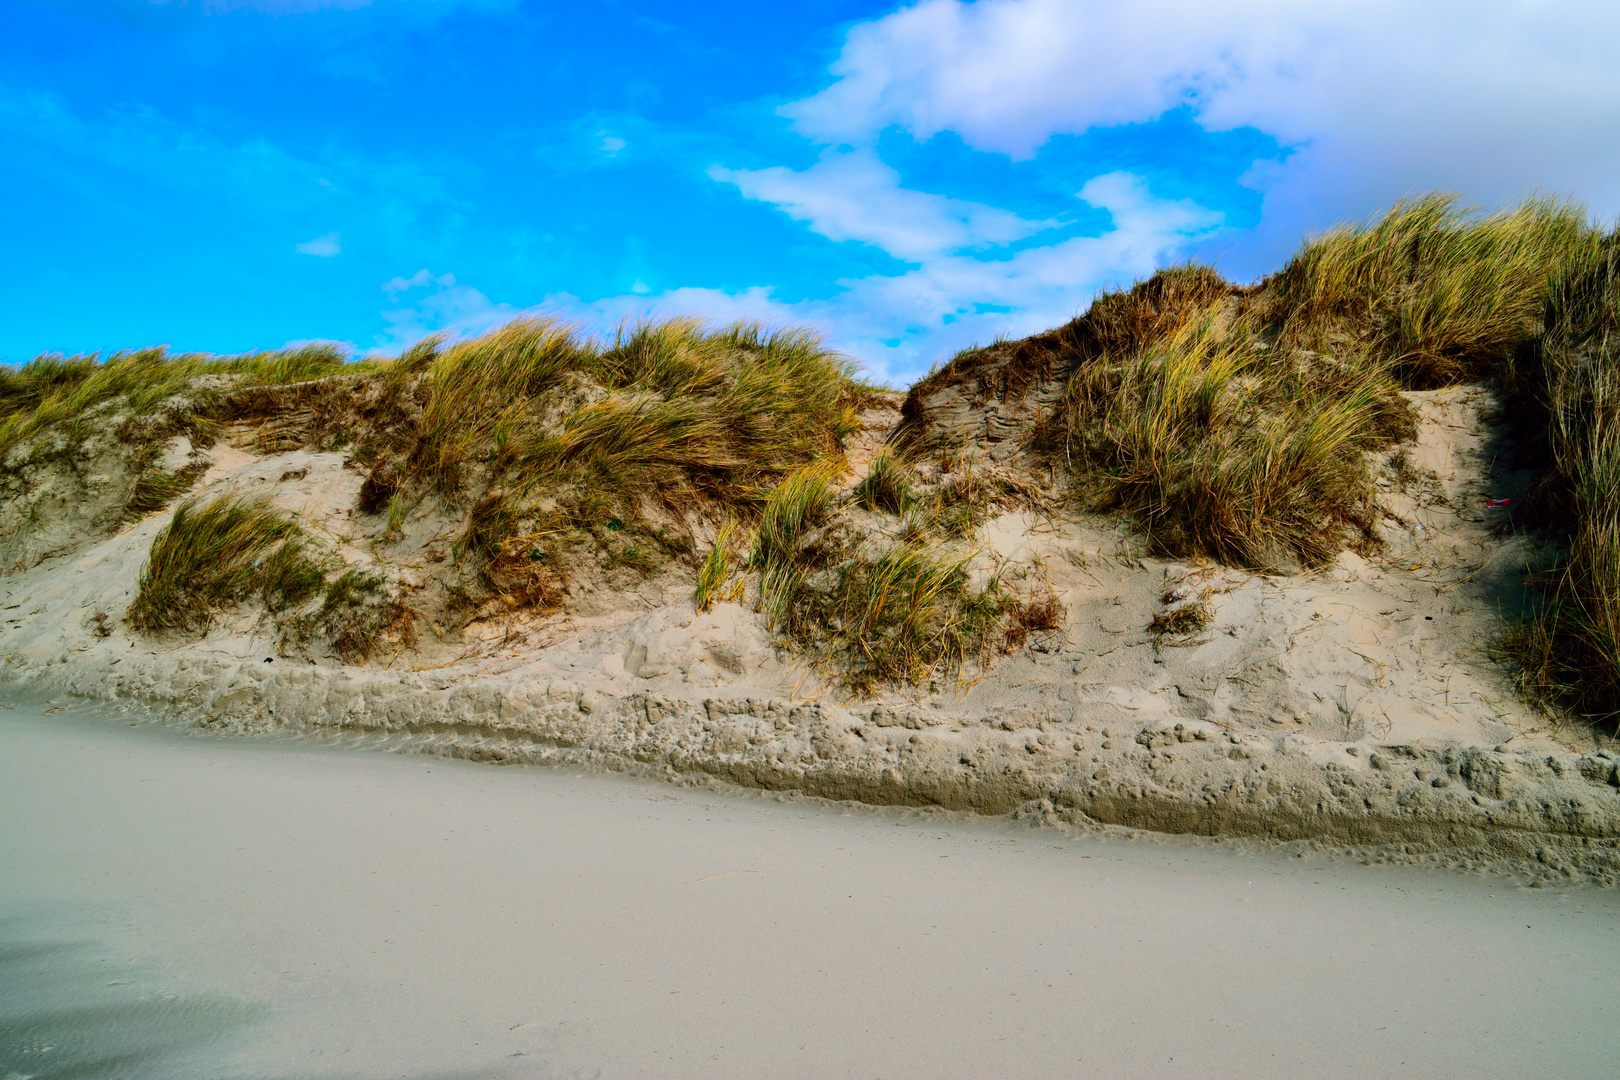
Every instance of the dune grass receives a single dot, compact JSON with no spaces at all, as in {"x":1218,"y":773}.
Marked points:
{"x":894,"y":611}
{"x":1231,"y":421}
{"x":1569,"y":650}
{"x":549,"y":438}
{"x":1219,"y":451}
{"x":215,"y":555}
{"x":885,"y":485}
{"x":58,"y":390}
{"x":1440,"y":292}
{"x":711,"y":411}
{"x":714,"y":576}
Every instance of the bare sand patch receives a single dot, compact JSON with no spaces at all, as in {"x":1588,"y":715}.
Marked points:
{"x":175,"y":906}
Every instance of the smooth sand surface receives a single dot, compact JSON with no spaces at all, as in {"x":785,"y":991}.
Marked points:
{"x":184,"y":906}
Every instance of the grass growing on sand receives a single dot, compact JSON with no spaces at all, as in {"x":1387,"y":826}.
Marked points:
{"x":668,"y":408}
{"x":551,"y":441}
{"x":876,"y":610}
{"x":1230,"y":421}
{"x":58,"y":390}
{"x":215,"y":555}
{"x":714,"y":573}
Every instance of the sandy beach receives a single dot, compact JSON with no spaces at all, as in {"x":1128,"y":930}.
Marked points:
{"x":179,"y":905}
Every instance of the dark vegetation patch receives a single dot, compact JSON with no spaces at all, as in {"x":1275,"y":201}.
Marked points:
{"x":879,"y":603}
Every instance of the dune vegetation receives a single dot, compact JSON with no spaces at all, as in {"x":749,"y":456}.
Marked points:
{"x":1239,"y":423}
{"x":1234,"y":422}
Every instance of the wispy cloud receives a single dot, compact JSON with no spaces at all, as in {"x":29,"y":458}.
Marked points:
{"x":852,"y":194}
{"x":898,"y":324}
{"x":443,"y":305}
{"x":322,"y":247}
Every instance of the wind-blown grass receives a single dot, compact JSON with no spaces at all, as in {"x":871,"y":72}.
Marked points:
{"x":213,"y":556}
{"x":712,"y":412}
{"x":1441,"y":293}
{"x":1219,"y":450}
{"x":1231,"y":421}
{"x":544,"y":434}
{"x":714,"y":573}
{"x":885,"y":485}
{"x":53,"y":390}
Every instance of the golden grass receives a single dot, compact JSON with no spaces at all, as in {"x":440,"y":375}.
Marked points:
{"x":1437,"y":290}
{"x":713,"y":411}
{"x":1232,"y":421}
{"x":885,"y":486}
{"x":535,"y":430}
{"x":715,"y":572}
{"x":57,"y":390}
{"x":1220,"y":451}
{"x":215,"y":555}
{"x":900,"y":614}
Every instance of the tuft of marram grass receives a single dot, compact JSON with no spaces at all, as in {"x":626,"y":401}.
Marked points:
{"x":714,"y":573}
{"x":901,"y":614}
{"x":666,"y":403}
{"x":1219,"y":451}
{"x":885,"y":486}
{"x":535,"y":430}
{"x":215,"y":555}
{"x":1440,"y":292}
{"x":156,"y":488}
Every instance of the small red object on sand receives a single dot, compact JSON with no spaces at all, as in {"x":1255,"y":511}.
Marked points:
{"x":1497,"y":502}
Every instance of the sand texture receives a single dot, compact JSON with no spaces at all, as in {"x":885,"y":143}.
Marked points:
{"x":1353,"y":705}
{"x":335,"y":914}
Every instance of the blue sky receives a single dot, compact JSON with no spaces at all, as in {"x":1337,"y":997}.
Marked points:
{"x":223,"y":176}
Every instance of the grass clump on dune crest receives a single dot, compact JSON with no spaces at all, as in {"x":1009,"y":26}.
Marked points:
{"x":213,"y":556}
{"x":52,"y":390}
{"x":1436,"y":290}
{"x":1219,"y":453}
{"x":712,"y":412}
{"x":552,"y":441}
{"x":1230,"y":420}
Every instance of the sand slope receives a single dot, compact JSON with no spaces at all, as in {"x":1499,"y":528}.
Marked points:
{"x":1354,"y":705}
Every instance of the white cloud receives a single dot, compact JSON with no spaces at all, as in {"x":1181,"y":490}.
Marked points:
{"x":1378,"y":98}
{"x":853,"y":195}
{"x":322,"y":247}
{"x":610,"y":144}
{"x":447,"y":306}
{"x":896,"y":325}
